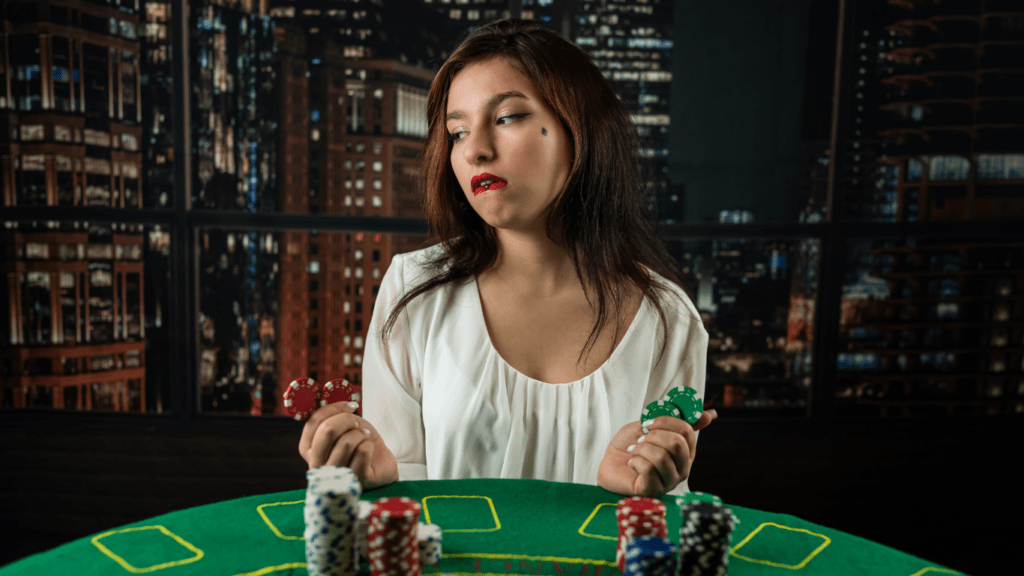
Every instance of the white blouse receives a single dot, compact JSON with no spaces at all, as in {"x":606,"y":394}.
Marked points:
{"x":451,"y":407}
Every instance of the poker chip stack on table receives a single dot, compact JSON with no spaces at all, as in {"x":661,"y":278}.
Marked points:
{"x":331,"y":513}
{"x":303,"y":396}
{"x":637,"y":517}
{"x":392,"y":537}
{"x":342,"y":533}
{"x":704,"y":538}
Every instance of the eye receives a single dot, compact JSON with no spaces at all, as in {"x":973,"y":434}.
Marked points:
{"x":511,"y":118}
{"x":456,"y":136}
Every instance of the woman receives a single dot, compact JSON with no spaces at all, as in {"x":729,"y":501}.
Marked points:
{"x":533,"y":185}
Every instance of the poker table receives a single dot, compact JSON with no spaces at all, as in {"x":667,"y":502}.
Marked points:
{"x":488,"y":527}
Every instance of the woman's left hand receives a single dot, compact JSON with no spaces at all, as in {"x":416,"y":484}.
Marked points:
{"x":653,"y":464}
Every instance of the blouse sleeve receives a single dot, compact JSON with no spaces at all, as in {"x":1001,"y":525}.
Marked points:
{"x":392,"y":384}
{"x":693,"y":373}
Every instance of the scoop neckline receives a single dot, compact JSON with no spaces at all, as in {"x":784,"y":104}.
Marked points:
{"x":611,"y":357}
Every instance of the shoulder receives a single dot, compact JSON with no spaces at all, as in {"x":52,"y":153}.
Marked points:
{"x":413,"y":267}
{"x":680,"y":311}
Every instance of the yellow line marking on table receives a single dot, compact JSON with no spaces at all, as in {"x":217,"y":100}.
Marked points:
{"x":271,"y":524}
{"x":494,"y":513}
{"x":776,"y":564}
{"x":270,"y":569}
{"x":135,"y":570}
{"x":591,"y":517}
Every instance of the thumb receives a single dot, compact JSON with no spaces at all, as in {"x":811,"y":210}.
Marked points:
{"x":705,"y":419}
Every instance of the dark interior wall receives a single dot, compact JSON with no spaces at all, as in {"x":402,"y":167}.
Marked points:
{"x":738,"y":74}
{"x":940,"y":489}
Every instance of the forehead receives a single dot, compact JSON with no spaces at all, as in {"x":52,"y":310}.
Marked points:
{"x":473,"y":86}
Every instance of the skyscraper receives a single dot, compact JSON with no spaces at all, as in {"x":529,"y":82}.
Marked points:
{"x":631,"y":42}
{"x":74,"y":327}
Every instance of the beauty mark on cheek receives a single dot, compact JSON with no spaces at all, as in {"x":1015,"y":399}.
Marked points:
{"x":544,"y":131}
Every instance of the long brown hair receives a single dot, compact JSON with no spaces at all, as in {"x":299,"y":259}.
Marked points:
{"x":599,"y":216}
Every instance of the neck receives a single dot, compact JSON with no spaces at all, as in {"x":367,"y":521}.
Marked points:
{"x":534,"y":266}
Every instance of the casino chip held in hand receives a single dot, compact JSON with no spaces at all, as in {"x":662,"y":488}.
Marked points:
{"x":304,"y":395}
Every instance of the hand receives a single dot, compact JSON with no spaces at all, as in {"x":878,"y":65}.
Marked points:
{"x":658,"y":463}
{"x":335,"y":436}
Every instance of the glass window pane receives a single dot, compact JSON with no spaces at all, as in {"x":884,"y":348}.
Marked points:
{"x":931,"y":327}
{"x":87,"y":306}
{"x":756,"y":298}
{"x":267,"y":315}
{"x":111,"y":141}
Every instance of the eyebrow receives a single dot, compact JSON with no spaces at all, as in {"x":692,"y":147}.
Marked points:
{"x":494,"y":101}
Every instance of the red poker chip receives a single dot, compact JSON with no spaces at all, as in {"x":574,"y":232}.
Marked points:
{"x":640,"y":506}
{"x":636,"y":517}
{"x":337,"y":390}
{"x":301,"y":398}
{"x":392,"y":536}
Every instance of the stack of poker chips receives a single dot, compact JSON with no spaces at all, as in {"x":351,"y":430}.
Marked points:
{"x":332,"y":505}
{"x":650,"y":556}
{"x":303,"y":396}
{"x":392,"y":536}
{"x":704,"y":538}
{"x":341,"y":531}
{"x":637,"y":517}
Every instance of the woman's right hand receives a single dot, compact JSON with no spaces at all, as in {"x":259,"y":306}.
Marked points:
{"x":335,"y":436}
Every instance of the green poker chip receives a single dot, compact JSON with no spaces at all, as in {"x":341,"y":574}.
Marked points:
{"x":685,"y":399}
{"x":659,"y":408}
{"x":698,"y":497}
{"x":681,"y":391}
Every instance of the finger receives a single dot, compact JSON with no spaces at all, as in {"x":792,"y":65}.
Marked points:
{"x":648,"y":481}
{"x":662,"y":460}
{"x":705,"y":419}
{"x":328,"y":433}
{"x":362,"y":458}
{"x":345,"y":446}
{"x":677,"y":426}
{"x":317,"y":418}
{"x":675,"y":444}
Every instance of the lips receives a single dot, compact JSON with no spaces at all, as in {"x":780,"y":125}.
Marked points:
{"x":484,"y":182}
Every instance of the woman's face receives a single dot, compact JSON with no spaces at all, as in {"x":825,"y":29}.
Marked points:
{"x":509,"y":151}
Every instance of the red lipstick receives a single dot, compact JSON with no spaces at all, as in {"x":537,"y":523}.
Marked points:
{"x":484,"y":182}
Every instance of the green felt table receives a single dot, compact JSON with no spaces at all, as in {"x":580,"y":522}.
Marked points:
{"x":489,"y":526}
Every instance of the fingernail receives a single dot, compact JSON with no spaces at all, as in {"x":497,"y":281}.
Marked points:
{"x":714,"y":413}
{"x":630,"y":449}
{"x":353,"y":405}
{"x":647,"y":423}
{"x":630,"y":463}
{"x":367,"y":430}
{"x":641,"y":439}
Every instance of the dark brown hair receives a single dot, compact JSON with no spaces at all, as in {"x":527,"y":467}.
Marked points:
{"x":599,"y":217}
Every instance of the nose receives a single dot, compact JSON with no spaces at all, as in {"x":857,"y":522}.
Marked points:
{"x":479,"y":147}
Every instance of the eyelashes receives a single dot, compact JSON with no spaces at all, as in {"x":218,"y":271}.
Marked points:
{"x":454,"y":137}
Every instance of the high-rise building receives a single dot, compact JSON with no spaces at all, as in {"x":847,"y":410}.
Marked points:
{"x":74,"y":329}
{"x":631,"y":42}
{"x":233,"y":134}
{"x":935,"y":131}
{"x":936,"y":134}
{"x":235,"y":141}
{"x":351,"y":133}
{"x":157,"y":102}
{"x":401,"y":30}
